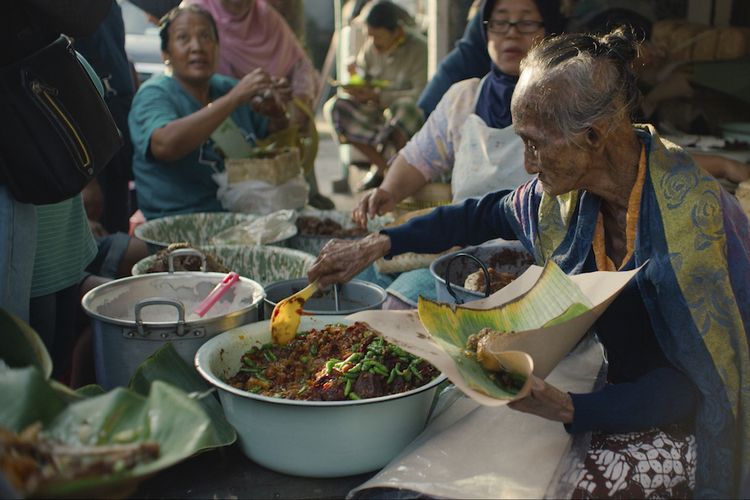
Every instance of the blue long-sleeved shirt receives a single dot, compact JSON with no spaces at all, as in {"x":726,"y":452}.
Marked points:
{"x":645,"y":390}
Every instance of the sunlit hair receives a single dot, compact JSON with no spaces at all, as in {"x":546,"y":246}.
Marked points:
{"x":173,"y":14}
{"x":579,"y":79}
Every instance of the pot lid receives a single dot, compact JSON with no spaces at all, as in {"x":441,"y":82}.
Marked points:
{"x":116,"y":301}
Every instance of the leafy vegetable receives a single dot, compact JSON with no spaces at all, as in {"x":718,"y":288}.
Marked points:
{"x":179,"y":424}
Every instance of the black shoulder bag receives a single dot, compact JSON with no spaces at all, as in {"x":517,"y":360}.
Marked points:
{"x":57,"y":133}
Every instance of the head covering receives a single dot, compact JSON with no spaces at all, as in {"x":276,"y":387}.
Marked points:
{"x":493,"y":104}
{"x":260,"y":38}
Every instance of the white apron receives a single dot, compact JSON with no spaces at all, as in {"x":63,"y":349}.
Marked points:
{"x":488,"y":159}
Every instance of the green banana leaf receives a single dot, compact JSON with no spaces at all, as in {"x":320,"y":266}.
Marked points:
{"x":166,"y":365}
{"x":180,"y":425}
{"x":553,"y":299}
{"x":21,"y":345}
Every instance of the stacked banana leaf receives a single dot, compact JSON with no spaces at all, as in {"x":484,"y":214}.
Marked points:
{"x":166,"y":408}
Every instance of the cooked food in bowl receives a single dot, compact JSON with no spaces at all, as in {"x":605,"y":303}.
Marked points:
{"x":498,"y":279}
{"x":186,"y":262}
{"x":314,"y":226}
{"x":477,"y":348}
{"x":333,"y":363}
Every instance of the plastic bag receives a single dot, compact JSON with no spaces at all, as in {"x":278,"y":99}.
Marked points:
{"x":275,"y":227}
{"x":258,"y":197}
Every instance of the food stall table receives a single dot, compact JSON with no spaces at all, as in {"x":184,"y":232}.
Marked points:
{"x":228,"y":473}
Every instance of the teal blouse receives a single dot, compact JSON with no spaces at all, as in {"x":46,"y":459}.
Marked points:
{"x":182,"y":186}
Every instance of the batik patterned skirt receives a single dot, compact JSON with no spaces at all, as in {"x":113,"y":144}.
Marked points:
{"x":658,"y":463}
{"x":370,"y":124}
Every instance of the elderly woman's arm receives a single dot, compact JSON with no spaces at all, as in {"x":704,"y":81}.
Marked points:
{"x":660,"y":397}
{"x":471,"y":222}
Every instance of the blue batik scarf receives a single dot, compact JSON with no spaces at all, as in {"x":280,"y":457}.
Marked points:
{"x":695,"y":241}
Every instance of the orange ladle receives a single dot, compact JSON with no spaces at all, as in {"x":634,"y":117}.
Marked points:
{"x":287,"y":314}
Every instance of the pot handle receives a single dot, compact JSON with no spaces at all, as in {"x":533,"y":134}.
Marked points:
{"x":182,"y":252}
{"x":487,"y":289}
{"x":160,"y":301}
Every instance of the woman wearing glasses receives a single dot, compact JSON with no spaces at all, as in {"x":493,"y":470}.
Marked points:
{"x":469,"y":137}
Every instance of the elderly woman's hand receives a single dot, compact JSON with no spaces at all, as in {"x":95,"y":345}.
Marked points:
{"x":340,"y":260}
{"x":546,"y":401}
{"x":375,"y":202}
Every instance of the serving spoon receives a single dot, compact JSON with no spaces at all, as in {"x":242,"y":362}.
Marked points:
{"x":287,"y":314}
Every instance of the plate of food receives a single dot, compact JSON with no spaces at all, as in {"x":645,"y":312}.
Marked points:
{"x":360,"y":82}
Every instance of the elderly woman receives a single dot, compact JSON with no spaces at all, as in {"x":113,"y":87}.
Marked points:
{"x":613,"y":196}
{"x":174,"y":117}
{"x":374,"y":119}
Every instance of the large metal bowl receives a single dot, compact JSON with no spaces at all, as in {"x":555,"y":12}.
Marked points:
{"x":134,"y":317}
{"x":198,"y":229}
{"x":515,"y":260}
{"x":311,"y":438}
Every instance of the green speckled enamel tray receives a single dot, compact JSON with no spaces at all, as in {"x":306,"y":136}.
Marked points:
{"x":312,"y":244}
{"x":196,"y":229}
{"x":264,"y":264}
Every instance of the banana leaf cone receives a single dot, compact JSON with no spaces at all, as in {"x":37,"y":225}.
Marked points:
{"x":553,"y":298}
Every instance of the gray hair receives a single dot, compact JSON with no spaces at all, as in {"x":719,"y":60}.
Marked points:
{"x":580,"y":79}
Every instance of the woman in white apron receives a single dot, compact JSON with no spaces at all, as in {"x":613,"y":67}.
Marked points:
{"x":469,"y":137}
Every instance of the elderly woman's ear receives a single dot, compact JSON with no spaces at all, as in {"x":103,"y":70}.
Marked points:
{"x":595,"y":136}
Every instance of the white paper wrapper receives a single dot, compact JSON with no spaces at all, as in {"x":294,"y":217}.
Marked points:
{"x":475,"y":451}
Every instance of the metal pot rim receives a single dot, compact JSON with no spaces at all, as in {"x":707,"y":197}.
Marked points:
{"x":356,"y":282}
{"x":91,"y":294}
{"x":470,"y":249}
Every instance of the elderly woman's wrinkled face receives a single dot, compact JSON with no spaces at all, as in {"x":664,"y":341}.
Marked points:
{"x":512,"y":28}
{"x":193,"y":48}
{"x":560,"y":164}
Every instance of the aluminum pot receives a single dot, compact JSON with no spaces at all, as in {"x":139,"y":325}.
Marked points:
{"x":133,"y":317}
{"x":311,"y":438}
{"x":504,"y":256}
{"x":354,"y":296}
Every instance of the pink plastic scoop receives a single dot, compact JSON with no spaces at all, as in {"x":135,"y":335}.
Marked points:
{"x":218,"y":292}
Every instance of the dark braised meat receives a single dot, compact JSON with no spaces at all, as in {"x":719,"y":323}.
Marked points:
{"x":186,"y":262}
{"x":476,"y":281}
{"x":313,"y":226}
{"x":332,"y":364}
{"x":478,"y":347}
{"x":509,"y":257}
